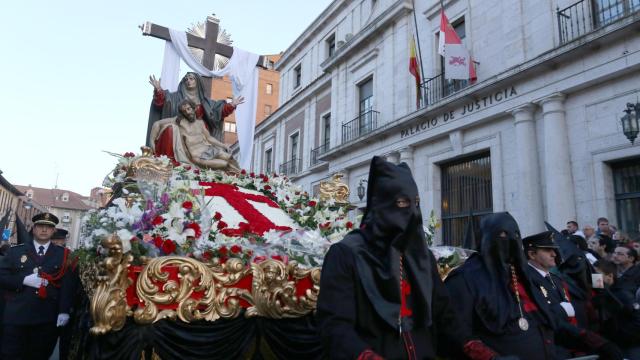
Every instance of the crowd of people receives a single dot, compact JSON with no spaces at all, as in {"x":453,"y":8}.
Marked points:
{"x":551,"y":295}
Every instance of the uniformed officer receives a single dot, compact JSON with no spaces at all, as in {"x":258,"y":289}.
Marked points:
{"x":34,"y":277}
{"x":60,"y":237}
{"x":541,"y":252}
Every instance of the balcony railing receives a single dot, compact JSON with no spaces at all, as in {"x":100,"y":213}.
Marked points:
{"x":291,"y":167}
{"x":317,"y":152}
{"x":586,"y":16}
{"x":360,"y":126}
{"x":437,"y":88}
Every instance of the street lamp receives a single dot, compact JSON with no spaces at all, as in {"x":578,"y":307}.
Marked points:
{"x":361,"y":189}
{"x":630,"y":121}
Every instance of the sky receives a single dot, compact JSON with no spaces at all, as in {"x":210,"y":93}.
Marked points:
{"x":74,"y":76}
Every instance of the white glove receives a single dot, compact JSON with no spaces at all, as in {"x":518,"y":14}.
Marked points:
{"x":34,"y":281}
{"x":63,"y":319}
{"x":568,"y":308}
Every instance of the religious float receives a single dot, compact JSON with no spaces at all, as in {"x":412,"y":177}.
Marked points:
{"x":193,"y":258}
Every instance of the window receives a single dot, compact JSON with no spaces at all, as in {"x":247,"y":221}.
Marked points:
{"x":66,"y":217}
{"x":269,"y":89}
{"x":267,"y":110}
{"x":331,"y":45}
{"x":626,"y":182}
{"x":229,"y":127}
{"x":466,"y":196}
{"x":268,"y":156}
{"x":29,"y":194}
{"x":297,"y":76}
{"x":326,"y":130}
{"x":293,"y":153}
{"x":365,"y":104}
{"x":271,"y":65}
{"x":65,"y":197}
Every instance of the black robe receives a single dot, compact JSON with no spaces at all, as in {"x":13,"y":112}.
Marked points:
{"x":349,"y":323}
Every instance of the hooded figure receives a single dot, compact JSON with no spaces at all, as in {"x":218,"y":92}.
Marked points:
{"x":494,"y":295}
{"x":381,"y":294}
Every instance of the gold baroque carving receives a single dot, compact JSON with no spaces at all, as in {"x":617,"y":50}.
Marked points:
{"x":109,"y":303}
{"x":273,"y":293}
{"x":335,"y":189}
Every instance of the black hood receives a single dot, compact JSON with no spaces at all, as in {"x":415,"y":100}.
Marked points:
{"x":501,"y":243}
{"x":389,"y":224}
{"x":488,"y":273}
{"x":388,"y":232}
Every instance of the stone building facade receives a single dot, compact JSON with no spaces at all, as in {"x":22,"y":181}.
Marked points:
{"x":538,"y":134}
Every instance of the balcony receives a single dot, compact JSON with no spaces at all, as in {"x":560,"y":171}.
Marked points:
{"x":291,"y":167}
{"x":360,"y":126}
{"x":438,"y":88}
{"x":586,"y":16}
{"x":315,"y":153}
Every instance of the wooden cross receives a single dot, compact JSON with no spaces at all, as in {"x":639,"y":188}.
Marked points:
{"x":209,"y":44}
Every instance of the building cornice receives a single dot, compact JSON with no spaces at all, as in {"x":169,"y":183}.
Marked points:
{"x":391,"y":14}
{"x":308,"y":34}
{"x":543,"y":63}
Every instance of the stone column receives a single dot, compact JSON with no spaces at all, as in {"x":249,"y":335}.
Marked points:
{"x":531,"y":211}
{"x":557,"y":163}
{"x":393,"y":157}
{"x":406,"y":155}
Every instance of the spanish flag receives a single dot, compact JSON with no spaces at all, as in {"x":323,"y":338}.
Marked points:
{"x":414,"y":69}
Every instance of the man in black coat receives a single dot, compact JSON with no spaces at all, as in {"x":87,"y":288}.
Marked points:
{"x":542,"y":254}
{"x":38,"y":299}
{"x":381,"y":295}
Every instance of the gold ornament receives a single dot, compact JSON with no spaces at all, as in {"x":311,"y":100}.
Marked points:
{"x":335,"y":189}
{"x":109,"y":307}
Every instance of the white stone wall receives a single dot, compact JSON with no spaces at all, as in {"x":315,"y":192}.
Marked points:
{"x":548,"y":114}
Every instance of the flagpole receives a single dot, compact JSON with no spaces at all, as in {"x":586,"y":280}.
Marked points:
{"x":415,"y":21}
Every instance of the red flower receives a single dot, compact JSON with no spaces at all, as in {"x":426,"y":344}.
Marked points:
{"x":196,"y":171}
{"x":312,"y":203}
{"x":217,"y":216}
{"x":207,"y":255}
{"x":236,"y":249}
{"x":157,"y":241}
{"x":196,"y":228}
{"x":252,"y":174}
{"x":129,"y":154}
{"x":222,"y":225}
{"x":267,"y":187}
{"x":277,"y":257}
{"x":223,"y":251}
{"x":243,"y":172}
{"x":187,"y":167}
{"x":188,"y":205}
{"x":349,"y":224}
{"x":168,"y":247}
{"x":158,"y":220}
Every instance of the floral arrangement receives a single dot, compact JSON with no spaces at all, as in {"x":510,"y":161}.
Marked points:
{"x":212,"y":215}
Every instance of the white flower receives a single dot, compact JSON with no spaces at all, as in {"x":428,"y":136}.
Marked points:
{"x":125,"y":237}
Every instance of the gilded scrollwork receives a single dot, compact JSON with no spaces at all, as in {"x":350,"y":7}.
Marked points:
{"x":109,"y":304}
{"x":274,"y":290}
{"x":272,"y":295}
{"x":335,"y":189}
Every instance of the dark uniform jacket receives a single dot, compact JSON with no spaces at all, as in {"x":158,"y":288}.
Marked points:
{"x":23,"y":305}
